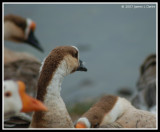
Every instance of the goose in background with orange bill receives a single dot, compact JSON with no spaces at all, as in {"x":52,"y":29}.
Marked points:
{"x":115,"y":112}
{"x":61,"y":61}
{"x":19,"y":30}
{"x":16,"y":100}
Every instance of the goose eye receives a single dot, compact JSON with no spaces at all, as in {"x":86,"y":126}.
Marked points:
{"x":8,"y":94}
{"x":75,"y":55}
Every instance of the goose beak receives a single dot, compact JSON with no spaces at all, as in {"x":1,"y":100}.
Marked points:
{"x":32,"y":40}
{"x":29,"y":104}
{"x":80,"y":125}
{"x":81,"y":66}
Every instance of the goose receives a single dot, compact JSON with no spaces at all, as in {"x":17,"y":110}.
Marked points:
{"x":16,"y":100}
{"x":115,"y":112}
{"x":145,"y":98}
{"x":61,"y":61}
{"x":19,"y":30}
{"x":28,"y":71}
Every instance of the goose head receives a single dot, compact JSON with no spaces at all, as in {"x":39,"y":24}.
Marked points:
{"x":20,"y":30}
{"x":64,"y":59}
{"x":147,"y":72}
{"x":17,"y":100}
{"x":61,"y":61}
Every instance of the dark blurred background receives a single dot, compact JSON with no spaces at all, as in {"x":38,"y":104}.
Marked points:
{"x":113,"y":41}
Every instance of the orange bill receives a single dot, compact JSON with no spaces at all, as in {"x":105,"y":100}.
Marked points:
{"x":80,"y":125}
{"x":29,"y":104}
{"x":33,"y":26}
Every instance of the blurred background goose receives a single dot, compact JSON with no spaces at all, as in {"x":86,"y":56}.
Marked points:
{"x":19,"y":30}
{"x":16,"y":100}
{"x":145,"y":98}
{"x":20,"y":65}
{"x":27,"y":71}
{"x":115,"y":110}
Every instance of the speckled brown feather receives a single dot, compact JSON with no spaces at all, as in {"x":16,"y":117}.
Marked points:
{"x":19,"y":21}
{"x":102,"y":107}
{"x":134,"y":118}
{"x":111,"y":125}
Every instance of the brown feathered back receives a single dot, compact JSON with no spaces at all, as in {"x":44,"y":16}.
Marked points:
{"x":102,"y":107}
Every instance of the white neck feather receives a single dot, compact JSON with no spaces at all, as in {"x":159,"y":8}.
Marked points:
{"x":57,"y":114}
{"x":118,"y":109}
{"x":29,"y":21}
{"x":54,"y":86}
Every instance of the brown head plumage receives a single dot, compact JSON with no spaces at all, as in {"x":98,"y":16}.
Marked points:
{"x":17,"y":20}
{"x":19,"y":29}
{"x":67,"y":53}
